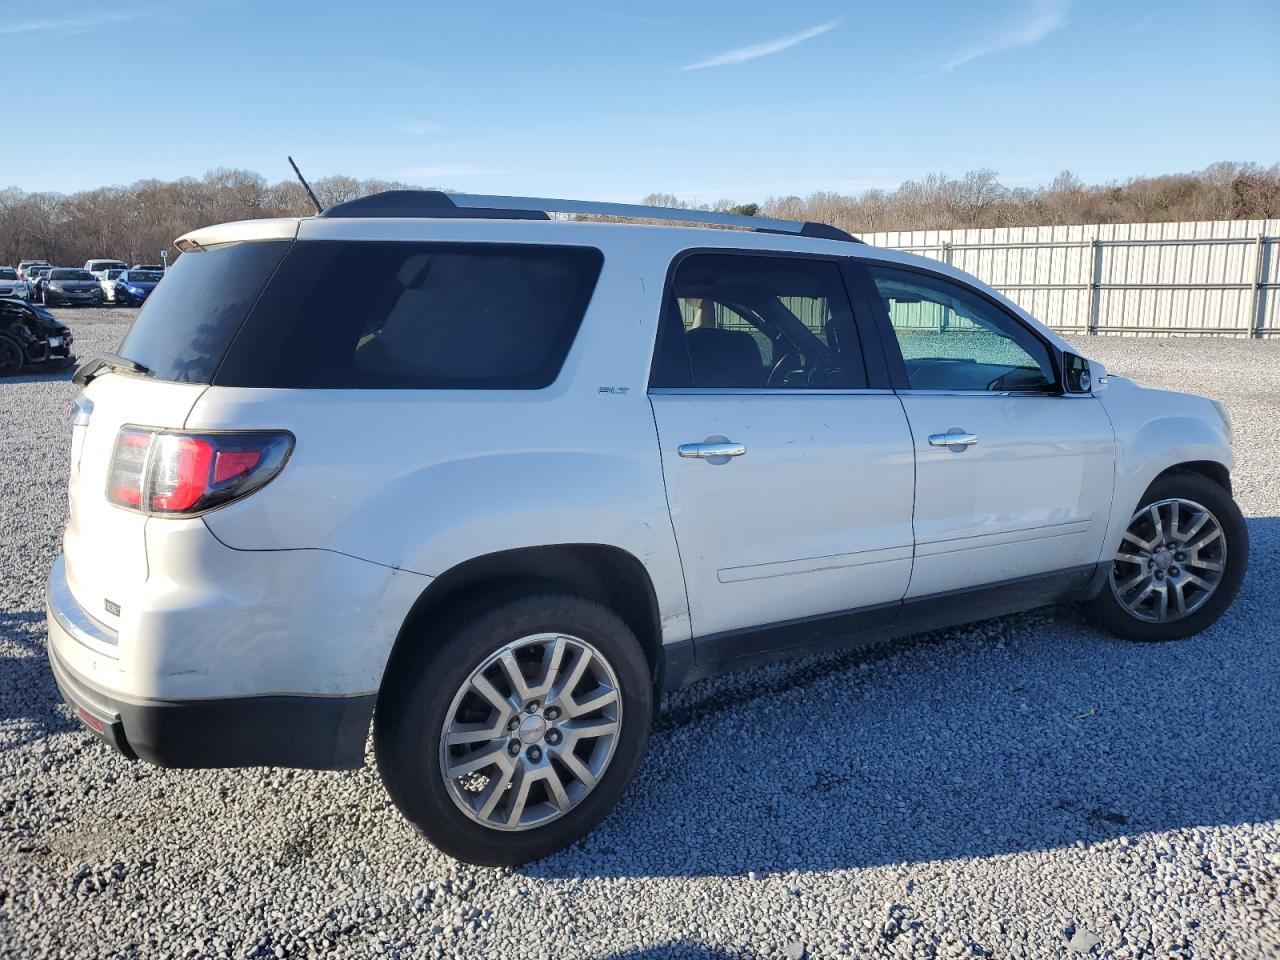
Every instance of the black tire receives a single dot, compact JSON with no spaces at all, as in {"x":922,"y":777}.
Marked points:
{"x":1107,"y":610}
{"x":12,"y":359}
{"x":418,"y":693}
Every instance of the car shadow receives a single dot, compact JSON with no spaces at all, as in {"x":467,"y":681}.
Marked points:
{"x":677,"y":950}
{"x":1015,"y":735}
{"x":32,"y":705}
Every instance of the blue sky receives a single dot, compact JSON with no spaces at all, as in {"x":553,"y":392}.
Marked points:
{"x":611,"y":101}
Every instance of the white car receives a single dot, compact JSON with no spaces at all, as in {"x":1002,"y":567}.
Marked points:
{"x":11,"y":285}
{"x":494,"y":481}
{"x":100,"y":268}
{"x":108,"y":283}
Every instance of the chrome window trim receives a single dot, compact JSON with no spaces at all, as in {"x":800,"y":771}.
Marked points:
{"x":981,"y":393}
{"x":767,"y":392}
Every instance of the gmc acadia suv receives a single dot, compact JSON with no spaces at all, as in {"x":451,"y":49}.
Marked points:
{"x":492,"y":481}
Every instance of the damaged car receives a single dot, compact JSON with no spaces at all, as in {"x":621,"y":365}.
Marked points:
{"x":31,"y":336}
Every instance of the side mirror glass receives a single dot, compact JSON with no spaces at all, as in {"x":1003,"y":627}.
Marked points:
{"x":1077,"y":377}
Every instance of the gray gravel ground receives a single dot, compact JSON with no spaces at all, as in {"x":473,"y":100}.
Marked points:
{"x":1024,"y":788}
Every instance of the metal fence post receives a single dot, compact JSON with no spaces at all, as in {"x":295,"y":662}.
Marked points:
{"x":946,"y":258}
{"x":1256,"y":315}
{"x":1095,"y":289}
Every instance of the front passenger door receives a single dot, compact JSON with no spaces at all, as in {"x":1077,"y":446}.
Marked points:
{"x":1013,"y":477}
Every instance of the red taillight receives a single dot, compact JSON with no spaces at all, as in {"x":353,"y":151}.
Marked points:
{"x":180,"y":476}
{"x":229,"y":464}
{"x":172,"y":473}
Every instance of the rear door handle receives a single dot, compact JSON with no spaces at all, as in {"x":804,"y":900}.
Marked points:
{"x":709,"y":451}
{"x":953,"y":439}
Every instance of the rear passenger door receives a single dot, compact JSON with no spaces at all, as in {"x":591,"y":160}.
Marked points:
{"x":789,"y":475}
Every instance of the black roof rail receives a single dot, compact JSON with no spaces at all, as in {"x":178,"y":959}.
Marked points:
{"x":436,"y":203}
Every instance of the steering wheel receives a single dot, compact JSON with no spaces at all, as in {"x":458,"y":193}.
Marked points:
{"x":780,"y":368}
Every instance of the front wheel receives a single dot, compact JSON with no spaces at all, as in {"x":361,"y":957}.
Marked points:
{"x":11,"y":358}
{"x":514,"y":733}
{"x":1180,"y":563}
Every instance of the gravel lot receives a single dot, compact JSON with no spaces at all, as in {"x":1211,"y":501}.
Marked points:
{"x":1024,"y":788}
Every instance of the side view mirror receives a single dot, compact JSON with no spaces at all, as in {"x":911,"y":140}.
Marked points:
{"x":1081,"y":376}
{"x":1098,"y":374}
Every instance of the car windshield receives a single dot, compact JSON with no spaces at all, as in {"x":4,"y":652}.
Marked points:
{"x":70,"y":275}
{"x":112,"y":274}
{"x":8,"y":273}
{"x":144,"y":276}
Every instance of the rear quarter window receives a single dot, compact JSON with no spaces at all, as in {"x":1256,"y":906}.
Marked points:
{"x":183,"y":331}
{"x":388,"y":315}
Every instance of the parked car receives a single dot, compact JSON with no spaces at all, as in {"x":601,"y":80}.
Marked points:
{"x":36,"y":277}
{"x":99,"y":268}
{"x":132,"y":287}
{"x":506,"y":480}
{"x":67,"y":286}
{"x":31,"y":337}
{"x":11,"y":285}
{"x":153,"y":267}
{"x":25,"y":265}
{"x":108,"y":285}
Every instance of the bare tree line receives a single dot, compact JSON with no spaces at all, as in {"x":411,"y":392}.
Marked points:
{"x":1221,"y":191}
{"x":136,"y":222}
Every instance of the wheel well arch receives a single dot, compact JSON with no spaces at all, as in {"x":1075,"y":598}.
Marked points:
{"x":1209,"y":469}
{"x":606,"y":574}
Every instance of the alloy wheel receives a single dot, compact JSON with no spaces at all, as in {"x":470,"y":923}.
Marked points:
{"x":1171,"y":561}
{"x":531,"y":732}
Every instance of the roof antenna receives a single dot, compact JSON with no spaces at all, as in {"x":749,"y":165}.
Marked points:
{"x":306,"y":186}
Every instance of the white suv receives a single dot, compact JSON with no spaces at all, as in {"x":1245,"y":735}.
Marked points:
{"x":495,"y":480}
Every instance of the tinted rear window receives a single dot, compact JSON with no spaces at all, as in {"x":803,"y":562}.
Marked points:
{"x":183,"y":331}
{"x":341,"y":314}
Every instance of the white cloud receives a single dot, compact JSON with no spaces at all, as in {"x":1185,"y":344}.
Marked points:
{"x":414,"y":128}
{"x":70,"y":24}
{"x":1039,"y":19}
{"x":743,"y":54}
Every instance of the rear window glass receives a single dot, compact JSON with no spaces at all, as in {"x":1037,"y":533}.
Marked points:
{"x":183,"y":331}
{"x":377,"y":315}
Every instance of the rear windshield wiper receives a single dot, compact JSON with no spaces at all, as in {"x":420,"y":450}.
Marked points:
{"x":105,"y":362}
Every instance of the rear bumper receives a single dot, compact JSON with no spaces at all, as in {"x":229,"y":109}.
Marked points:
{"x":311,"y":732}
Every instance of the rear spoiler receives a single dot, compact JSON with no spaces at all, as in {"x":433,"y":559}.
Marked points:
{"x":276,"y":228}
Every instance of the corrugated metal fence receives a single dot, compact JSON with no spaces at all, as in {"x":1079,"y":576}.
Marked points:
{"x":1184,"y":279}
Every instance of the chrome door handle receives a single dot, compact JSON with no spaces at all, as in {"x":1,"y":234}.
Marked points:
{"x":953,"y":439}
{"x":709,"y":451}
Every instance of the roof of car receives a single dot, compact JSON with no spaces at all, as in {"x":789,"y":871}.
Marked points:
{"x":432,"y":205}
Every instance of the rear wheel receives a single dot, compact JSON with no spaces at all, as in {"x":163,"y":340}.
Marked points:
{"x":11,"y":358}
{"x":515,"y":732}
{"x":1180,"y":562}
